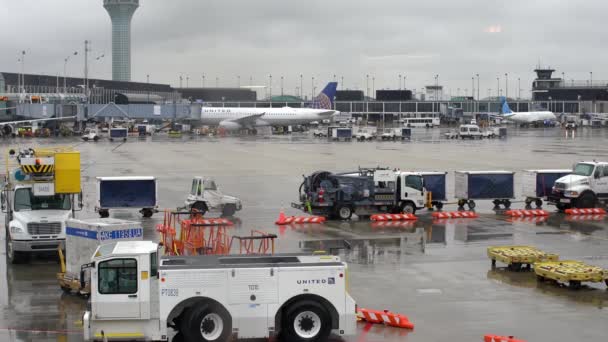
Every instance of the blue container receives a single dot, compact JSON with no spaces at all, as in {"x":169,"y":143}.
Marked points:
{"x":435,"y":182}
{"x":118,"y":133}
{"x":484,"y":184}
{"x":539,"y":183}
{"x":115,"y":192}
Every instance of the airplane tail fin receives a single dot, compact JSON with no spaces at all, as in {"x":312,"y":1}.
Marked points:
{"x":505,"y":106}
{"x":325,"y":99}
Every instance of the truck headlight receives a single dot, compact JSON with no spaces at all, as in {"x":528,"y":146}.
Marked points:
{"x":571,"y":193}
{"x":17,"y":230}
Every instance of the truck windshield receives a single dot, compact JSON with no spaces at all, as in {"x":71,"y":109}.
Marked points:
{"x":583,"y":170}
{"x":25,"y":200}
{"x":414,"y":182}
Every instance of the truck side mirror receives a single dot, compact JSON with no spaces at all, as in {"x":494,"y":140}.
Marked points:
{"x":2,"y":198}
{"x":80,"y":200}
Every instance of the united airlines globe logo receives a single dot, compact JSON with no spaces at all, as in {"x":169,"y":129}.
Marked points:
{"x":322,"y":101}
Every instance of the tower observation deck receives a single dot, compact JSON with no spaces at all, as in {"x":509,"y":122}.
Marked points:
{"x":121,"y":12}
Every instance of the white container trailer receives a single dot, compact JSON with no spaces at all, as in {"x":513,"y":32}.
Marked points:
{"x":84,"y":236}
{"x":538,"y":184}
{"x":136,"y":296}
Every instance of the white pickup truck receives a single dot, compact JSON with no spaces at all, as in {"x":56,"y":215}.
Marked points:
{"x":584,"y":188}
{"x":135,"y":295}
{"x":205,"y":196}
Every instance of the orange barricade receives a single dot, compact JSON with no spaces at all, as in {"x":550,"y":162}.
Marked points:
{"x":526,"y":213}
{"x":385,"y":317}
{"x":496,"y":338}
{"x":247,"y":243}
{"x":283,"y":220}
{"x":455,"y":214}
{"x":588,"y":211}
{"x":393,"y":217}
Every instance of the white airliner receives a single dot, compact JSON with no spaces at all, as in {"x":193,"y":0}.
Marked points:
{"x":525,"y":118}
{"x":236,"y":118}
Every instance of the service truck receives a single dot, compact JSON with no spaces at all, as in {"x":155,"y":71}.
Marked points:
{"x":135,"y":295}
{"x":585,"y":187}
{"x":37,"y":198}
{"x":205,"y":196}
{"x":363,"y":192}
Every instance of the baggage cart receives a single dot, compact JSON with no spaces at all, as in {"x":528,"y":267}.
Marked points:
{"x":570,"y":271}
{"x":517,"y":256}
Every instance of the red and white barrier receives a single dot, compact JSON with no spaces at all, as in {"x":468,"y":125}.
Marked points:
{"x":393,"y":217}
{"x":283,"y":220}
{"x":526,"y":213}
{"x":455,"y":214}
{"x":385,"y":317}
{"x":588,"y":211}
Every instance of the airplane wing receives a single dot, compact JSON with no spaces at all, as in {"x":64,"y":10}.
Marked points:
{"x":248,"y":120}
{"x":36,"y":120}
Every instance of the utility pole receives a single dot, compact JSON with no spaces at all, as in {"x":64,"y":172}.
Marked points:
{"x":86,"y":69}
{"x":301,"y":87}
{"x":506,"y":85}
{"x":281,"y":86}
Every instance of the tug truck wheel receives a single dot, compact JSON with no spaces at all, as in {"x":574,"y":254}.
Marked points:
{"x":306,"y":321}
{"x":471,"y":205}
{"x":587,"y":200}
{"x":85,"y":138}
{"x":229,"y":210}
{"x":179,"y":337}
{"x":147,"y":212}
{"x":104,"y":213}
{"x":344,"y":212}
{"x":506,"y":203}
{"x":95,"y":138}
{"x":201,"y":207}
{"x":539,"y":203}
{"x":207,"y":322}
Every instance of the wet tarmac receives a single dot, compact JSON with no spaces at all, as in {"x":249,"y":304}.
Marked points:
{"x":435,"y":272}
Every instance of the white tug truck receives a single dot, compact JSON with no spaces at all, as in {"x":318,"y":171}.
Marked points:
{"x":135,"y":295}
{"x":37,"y":198}
{"x":586,"y":187}
{"x":205,"y":196}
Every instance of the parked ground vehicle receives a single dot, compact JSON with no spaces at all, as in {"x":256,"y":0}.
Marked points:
{"x":137,"y":296}
{"x":126,"y":192}
{"x":118,"y":133}
{"x":319,"y":133}
{"x":90,"y":134}
{"x":571,"y":122}
{"x":584,"y":188}
{"x":364,"y":134}
{"x":37,"y":199}
{"x":469,"y":132}
{"x":420,"y":122}
{"x":363,"y":192}
{"x":205,"y":196}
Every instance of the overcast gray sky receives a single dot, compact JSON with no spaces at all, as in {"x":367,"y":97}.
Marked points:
{"x":320,"y":38}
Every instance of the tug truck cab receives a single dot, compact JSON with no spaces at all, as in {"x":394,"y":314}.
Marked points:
{"x":37,"y":198}
{"x":585,"y":187}
{"x":206,"y":196}
{"x":137,"y":296}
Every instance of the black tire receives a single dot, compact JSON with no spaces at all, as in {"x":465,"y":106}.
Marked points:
{"x":111,"y":139}
{"x":124,"y":139}
{"x":574,"y":284}
{"x":506,"y":203}
{"x":104,"y":213}
{"x":179,"y":337}
{"x":471,"y":204}
{"x":96,"y":138}
{"x":439,"y":206}
{"x":207,"y":322}
{"x":14,"y":257}
{"x":408,"y":208}
{"x":344,"y":212}
{"x":493,"y":263}
{"x":306,"y":321}
{"x":539,"y":203}
{"x":229,"y":210}
{"x":587,"y":200}
{"x":561,"y":207}
{"x":201,"y":207}
{"x":85,"y":138}
{"x":147,"y":212}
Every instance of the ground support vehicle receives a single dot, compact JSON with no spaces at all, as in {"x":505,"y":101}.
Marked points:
{"x":90,"y":134}
{"x":319,"y":133}
{"x":364,"y":192}
{"x":364,"y":134}
{"x":517,"y":256}
{"x":469,"y":132}
{"x":137,"y":296}
{"x":38,"y":196}
{"x":435,"y":185}
{"x":396,"y":134}
{"x":340,"y":133}
{"x":126,"y":192}
{"x":497,"y":186}
{"x":538,"y":184}
{"x":205,"y":196}
{"x":570,"y":271}
{"x":585,"y":187}
{"x":118,"y":133}
{"x":82,"y":239}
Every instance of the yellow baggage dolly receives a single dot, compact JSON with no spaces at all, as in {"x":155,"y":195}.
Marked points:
{"x":570,"y":271}
{"x":517,"y":256}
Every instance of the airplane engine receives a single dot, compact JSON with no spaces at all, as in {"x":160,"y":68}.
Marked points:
{"x":230,"y":126}
{"x":8,"y":131}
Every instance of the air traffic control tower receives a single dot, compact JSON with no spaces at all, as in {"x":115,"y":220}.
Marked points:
{"x":121,"y":13}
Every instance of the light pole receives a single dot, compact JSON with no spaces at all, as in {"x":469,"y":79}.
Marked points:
{"x":367,"y":84}
{"x":22,"y":60}
{"x":181,"y":80}
{"x":591,"y":78}
{"x":203,"y":81}
{"x":312,"y":88}
{"x":342,"y":82}
{"x":148,"y":86}
{"x":473,"y":87}
{"x":506,"y":85}
{"x":270,"y":88}
{"x":281,"y":86}
{"x":563,"y":79}
{"x":399,"y":81}
{"x":334,"y":77}
{"x":238,"y":77}
{"x":217,"y":81}
{"x":519,"y":88}
{"x":374,"y":86}
{"x":497,"y":87}
{"x":404,"y":78}
{"x":301,"y":87}
{"x":65,"y":70}
{"x":436,"y":87}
